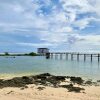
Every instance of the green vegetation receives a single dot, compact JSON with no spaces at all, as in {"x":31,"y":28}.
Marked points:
{"x":32,"y":54}
{"x":26,"y":54}
{"x":6,"y":54}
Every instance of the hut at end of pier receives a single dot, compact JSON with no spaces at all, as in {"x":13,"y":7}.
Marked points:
{"x":42,"y":51}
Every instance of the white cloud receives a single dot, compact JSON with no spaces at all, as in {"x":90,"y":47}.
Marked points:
{"x":97,"y":7}
{"x":21,"y":15}
{"x":59,"y":19}
{"x":91,"y":38}
{"x":64,"y":29}
{"x":51,"y":23}
{"x":35,"y":44}
{"x":85,"y":43}
{"x":54,"y":38}
{"x":83,"y":23}
{"x":78,"y":6}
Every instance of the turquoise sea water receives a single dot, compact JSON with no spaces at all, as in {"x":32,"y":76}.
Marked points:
{"x":35,"y":65}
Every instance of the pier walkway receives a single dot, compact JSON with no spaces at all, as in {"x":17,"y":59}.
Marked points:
{"x":73,"y":55}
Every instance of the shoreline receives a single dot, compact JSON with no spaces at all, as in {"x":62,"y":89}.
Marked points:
{"x":12,"y":75}
{"x":46,"y":86}
{"x":46,"y":79}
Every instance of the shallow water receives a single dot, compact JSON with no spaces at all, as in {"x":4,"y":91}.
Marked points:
{"x":36,"y":65}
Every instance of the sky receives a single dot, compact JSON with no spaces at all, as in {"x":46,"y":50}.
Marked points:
{"x":60,"y":25}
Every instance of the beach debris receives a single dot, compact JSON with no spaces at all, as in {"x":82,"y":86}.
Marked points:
{"x":10,"y":92}
{"x":22,"y":88}
{"x":40,"y":88}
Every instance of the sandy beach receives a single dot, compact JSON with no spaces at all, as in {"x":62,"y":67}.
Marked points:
{"x":66,"y":89}
{"x":49,"y":93}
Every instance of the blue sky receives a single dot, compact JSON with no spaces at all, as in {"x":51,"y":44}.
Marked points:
{"x":61,"y":25}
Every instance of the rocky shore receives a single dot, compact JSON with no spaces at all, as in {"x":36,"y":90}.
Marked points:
{"x":72,"y":84}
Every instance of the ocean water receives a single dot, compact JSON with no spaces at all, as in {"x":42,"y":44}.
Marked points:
{"x":37,"y":65}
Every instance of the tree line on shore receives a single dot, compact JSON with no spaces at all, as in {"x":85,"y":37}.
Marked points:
{"x":25,"y":54}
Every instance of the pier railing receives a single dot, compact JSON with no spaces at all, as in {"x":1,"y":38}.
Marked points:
{"x":60,"y":55}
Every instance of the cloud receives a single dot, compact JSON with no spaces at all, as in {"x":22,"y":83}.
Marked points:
{"x":78,"y":6}
{"x":54,"y":22}
{"x":16,"y":15}
{"x":96,"y":6}
{"x":37,"y":45}
{"x":45,"y":14}
{"x":83,"y":23}
{"x":86,"y":43}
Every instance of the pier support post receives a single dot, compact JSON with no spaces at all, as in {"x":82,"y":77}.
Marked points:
{"x":60,"y":55}
{"x":56,"y":56}
{"x":66,"y":56}
{"x":84,"y":57}
{"x":78,"y":57}
{"x":47,"y":55}
{"x":98,"y":57}
{"x":51,"y":55}
{"x":71,"y":56}
{"x":91,"y":57}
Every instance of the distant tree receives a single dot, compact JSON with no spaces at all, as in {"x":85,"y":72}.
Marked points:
{"x":32,"y":54}
{"x":25,"y":54}
{"x":6,"y":54}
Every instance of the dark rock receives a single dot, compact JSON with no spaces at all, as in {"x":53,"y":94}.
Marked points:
{"x":16,"y":82}
{"x":98,"y":80}
{"x":42,"y":76}
{"x":71,"y":88}
{"x":22,"y":88}
{"x":60,"y":78}
{"x":40,"y":82}
{"x":1,"y":82}
{"x":10,"y":92}
{"x":45,"y":79}
{"x":89,"y":82}
{"x":48,"y":80}
{"x":27,"y":80}
{"x":75,"y":89}
{"x":67,"y":86}
{"x":45,"y":74}
{"x":77,"y":80}
{"x":41,"y":88}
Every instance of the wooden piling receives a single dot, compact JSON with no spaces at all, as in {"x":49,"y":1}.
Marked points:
{"x":66,"y":56}
{"x":98,"y":57}
{"x":78,"y":57}
{"x":84,"y":57}
{"x":47,"y":55}
{"x":60,"y":55}
{"x":71,"y":56}
{"x":51,"y":55}
{"x":56,"y":56}
{"x":91,"y":57}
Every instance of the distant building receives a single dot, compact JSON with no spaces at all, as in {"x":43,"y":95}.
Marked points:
{"x":42,"y":51}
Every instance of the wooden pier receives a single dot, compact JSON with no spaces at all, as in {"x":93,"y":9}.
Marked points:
{"x":74,"y":55}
